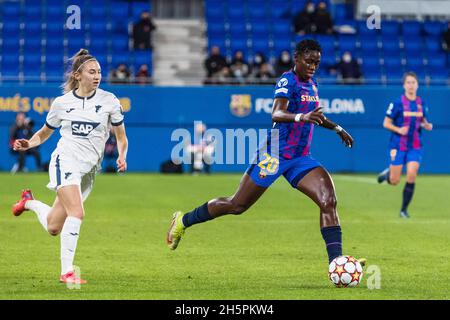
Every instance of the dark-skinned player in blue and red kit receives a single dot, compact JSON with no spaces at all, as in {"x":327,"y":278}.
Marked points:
{"x":295,"y":113}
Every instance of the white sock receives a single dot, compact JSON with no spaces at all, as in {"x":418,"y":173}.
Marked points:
{"x":69,"y":238}
{"x":42,"y":210}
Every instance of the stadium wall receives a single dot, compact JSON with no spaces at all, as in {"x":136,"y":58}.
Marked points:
{"x":153,"y":113}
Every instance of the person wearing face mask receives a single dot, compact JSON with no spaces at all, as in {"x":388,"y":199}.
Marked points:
{"x":214,"y":65}
{"x":239,"y":68}
{"x":121,"y":75}
{"x":304,"y":21}
{"x":322,"y":20}
{"x":348,"y":69}
{"x":284,"y":63}
{"x":142,"y":32}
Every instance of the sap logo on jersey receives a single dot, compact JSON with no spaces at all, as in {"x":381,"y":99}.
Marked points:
{"x":80,"y":128}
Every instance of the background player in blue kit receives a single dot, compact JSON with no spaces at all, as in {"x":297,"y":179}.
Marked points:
{"x":295,"y":112}
{"x":405,"y":118}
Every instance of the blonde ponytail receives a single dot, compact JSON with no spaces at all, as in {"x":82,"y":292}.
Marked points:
{"x":77,"y":60}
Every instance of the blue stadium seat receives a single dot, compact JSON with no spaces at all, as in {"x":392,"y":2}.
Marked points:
{"x":394,"y":74}
{"x":99,"y":47}
{"x":437,"y":60}
{"x":392,"y":63}
{"x":414,"y":62}
{"x":371,"y":74}
{"x":390,"y":27}
{"x":54,"y":61}
{"x":10,"y":65}
{"x":11,"y":45}
{"x":98,"y":30}
{"x":238,"y":44}
{"x":32,"y":28}
{"x":413,"y":46}
{"x":238,"y":30}
{"x":411,"y":28}
{"x":280,"y":45}
{"x":120,"y":44}
{"x":432,"y":27}
{"x":32,"y":12}
{"x":368,"y":43}
{"x":364,"y":31}
{"x":259,"y":29}
{"x":10,"y":9}
{"x":56,"y":13}
{"x":74,"y":44}
{"x":236,"y":14}
{"x":258,"y":14}
{"x":215,"y":14}
{"x":32,"y":61}
{"x":391,"y":47}
{"x":55,"y":29}
{"x":54,"y":46}
{"x":281,"y":29}
{"x":98,"y":12}
{"x":432,"y":45}
{"x":260,"y":45}
{"x":32,"y":45}
{"x":11,"y":28}
{"x":347,"y":43}
{"x":371,"y":62}
{"x":342,"y":12}
{"x":279,"y":9}
{"x":119,"y":11}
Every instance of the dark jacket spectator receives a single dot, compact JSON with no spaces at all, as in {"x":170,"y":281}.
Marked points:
{"x":304,"y":20}
{"x":142,"y":76}
{"x":214,"y":63}
{"x":322,"y":19}
{"x":142,"y":32}
{"x":265,"y":74}
{"x":22,"y":128}
{"x":446,"y":38}
{"x":239,"y":67}
{"x":348,"y":69}
{"x":121,"y":75}
{"x":284,"y":63}
{"x":258,"y":60}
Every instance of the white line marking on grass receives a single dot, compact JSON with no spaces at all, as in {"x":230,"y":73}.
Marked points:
{"x":356,"y":179}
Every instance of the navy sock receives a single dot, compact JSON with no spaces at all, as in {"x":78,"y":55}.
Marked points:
{"x":333,"y":240}
{"x":198,"y":215}
{"x":408,"y":192}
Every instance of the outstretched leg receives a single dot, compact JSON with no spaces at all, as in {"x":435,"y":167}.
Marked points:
{"x":318,"y":186}
{"x":412,"y":168}
{"x":246,"y":195}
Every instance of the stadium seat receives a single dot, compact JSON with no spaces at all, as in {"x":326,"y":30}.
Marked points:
{"x":432,"y":27}
{"x":99,"y":47}
{"x":118,"y":11}
{"x":347,"y":43}
{"x":32,"y":28}
{"x":411,"y":28}
{"x":236,"y":14}
{"x":364,"y":31}
{"x":32,"y":12}
{"x":98,"y":30}
{"x":391,"y":47}
{"x":259,"y":30}
{"x":11,"y":28}
{"x":54,"y":46}
{"x":342,"y":12}
{"x":10,"y":9}
{"x":120,"y":44}
{"x":138,"y":7}
{"x":413,"y":63}
{"x":238,"y":30}
{"x":413,"y":46}
{"x":32,"y":45}
{"x":55,"y":29}
{"x":10,"y":45}
{"x":390,"y":28}
{"x":368,"y":43}
{"x":281,"y":30}
{"x":74,"y":44}
{"x":238,"y":44}
{"x":432,"y":45}
{"x":279,"y":10}
{"x":10,"y":65}
{"x":215,"y":14}
{"x":437,"y":60}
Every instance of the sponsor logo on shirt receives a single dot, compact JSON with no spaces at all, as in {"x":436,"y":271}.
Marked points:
{"x":308,"y":98}
{"x":82,"y":129}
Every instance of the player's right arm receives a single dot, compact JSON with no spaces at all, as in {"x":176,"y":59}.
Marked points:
{"x":37,"y":139}
{"x":388,"y":123}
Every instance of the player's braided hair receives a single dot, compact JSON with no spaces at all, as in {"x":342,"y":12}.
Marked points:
{"x":78,"y":60}
{"x":307,"y":45}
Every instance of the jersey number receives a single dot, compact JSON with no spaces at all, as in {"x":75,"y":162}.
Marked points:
{"x":272,"y":163}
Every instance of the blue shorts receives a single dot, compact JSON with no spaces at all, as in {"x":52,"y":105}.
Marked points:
{"x":398,"y":158}
{"x":267,"y":169}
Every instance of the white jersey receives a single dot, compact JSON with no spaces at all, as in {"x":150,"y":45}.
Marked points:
{"x":85,"y":124}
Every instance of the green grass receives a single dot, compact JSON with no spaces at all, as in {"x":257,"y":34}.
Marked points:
{"x":273,"y":251}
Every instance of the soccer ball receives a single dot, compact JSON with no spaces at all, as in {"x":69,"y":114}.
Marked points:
{"x":345,"y":271}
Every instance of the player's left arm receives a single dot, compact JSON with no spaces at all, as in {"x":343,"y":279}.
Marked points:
{"x":347,"y":139}
{"x":122,"y":147}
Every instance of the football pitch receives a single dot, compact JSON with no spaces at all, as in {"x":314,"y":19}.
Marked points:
{"x":273,"y":251}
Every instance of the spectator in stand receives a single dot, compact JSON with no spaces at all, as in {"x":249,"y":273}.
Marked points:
{"x":142,"y":32}
{"x":214,"y":64}
{"x":322,"y":19}
{"x":446,"y":39}
{"x":284,"y":63}
{"x":258,"y":60}
{"x":22,"y":128}
{"x":348,"y":69}
{"x":304,"y":20}
{"x":265,"y":74}
{"x":143,"y":76}
{"x":239,"y":68}
{"x":121,"y":75}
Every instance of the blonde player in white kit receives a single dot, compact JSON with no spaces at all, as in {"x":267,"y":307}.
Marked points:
{"x":84,"y":113}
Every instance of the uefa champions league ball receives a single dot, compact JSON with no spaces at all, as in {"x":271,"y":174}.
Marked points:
{"x":345,"y":271}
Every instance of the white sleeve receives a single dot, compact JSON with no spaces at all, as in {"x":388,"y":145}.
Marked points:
{"x":53,"y":120}
{"x":116,"y":113}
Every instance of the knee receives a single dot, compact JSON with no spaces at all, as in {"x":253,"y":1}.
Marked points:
{"x":54,"y":231}
{"x":328,"y":203}
{"x":394,"y":180}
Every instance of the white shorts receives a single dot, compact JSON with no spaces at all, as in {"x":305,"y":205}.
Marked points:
{"x":65,"y":171}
